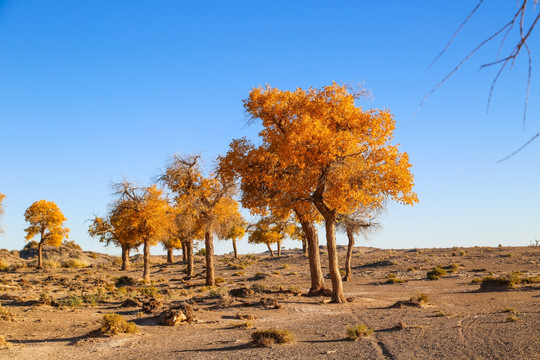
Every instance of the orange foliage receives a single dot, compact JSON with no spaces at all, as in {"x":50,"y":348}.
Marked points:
{"x":47,"y":221}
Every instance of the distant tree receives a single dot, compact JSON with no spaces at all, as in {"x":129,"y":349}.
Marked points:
{"x":203,"y":197}
{"x":2,"y":196}
{"x":298,"y":234}
{"x":232,"y":225}
{"x":359,"y":222}
{"x":114,"y":229}
{"x":270,"y":230}
{"x":47,"y":221}
{"x":170,"y":243}
{"x":147,"y":215}
{"x":331,"y":153}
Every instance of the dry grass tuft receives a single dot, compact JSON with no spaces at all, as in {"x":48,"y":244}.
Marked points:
{"x":268,"y":337}
{"x":114,"y":324}
{"x":358,"y":331}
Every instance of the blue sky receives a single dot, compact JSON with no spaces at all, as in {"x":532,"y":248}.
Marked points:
{"x":91,"y":92}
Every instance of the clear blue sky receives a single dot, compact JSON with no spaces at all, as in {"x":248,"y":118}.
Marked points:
{"x":94,"y":91}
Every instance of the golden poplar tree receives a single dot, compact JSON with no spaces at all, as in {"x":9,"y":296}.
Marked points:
{"x":320,"y":149}
{"x":202,"y":197}
{"x":145,"y":213}
{"x":47,"y":221}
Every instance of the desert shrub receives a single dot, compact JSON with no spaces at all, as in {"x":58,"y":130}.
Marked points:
{"x":220,"y":280}
{"x":4,"y":344}
{"x":251,"y":257}
{"x":3,"y":265}
{"x":259,"y":288}
{"x":113,"y":324}
{"x":241,"y":316}
{"x":72,"y":245}
{"x":358,"y":331}
{"x":71,"y":301}
{"x":148,"y":291}
{"x":507,"y":281}
{"x":5,"y":314}
{"x":436,"y":273}
{"x":51,"y":264}
{"x":45,"y":299}
{"x":411,"y":269}
{"x":241,"y":325}
{"x":420,"y":299}
{"x":93,"y":255}
{"x":511,"y":318}
{"x":201,"y":252}
{"x":268,"y":337}
{"x":392,"y":279}
{"x":74,"y":264}
{"x":531,"y":280}
{"x":508,"y":310}
{"x":125,"y":280}
{"x":239,"y":266}
{"x":276,"y":272}
{"x":239,"y":273}
{"x":285,"y":266}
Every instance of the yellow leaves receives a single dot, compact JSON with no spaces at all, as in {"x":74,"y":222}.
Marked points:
{"x":46,"y":220}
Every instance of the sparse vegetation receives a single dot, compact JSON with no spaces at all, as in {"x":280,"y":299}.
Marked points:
{"x":511,"y":318}
{"x":269,"y":337}
{"x":420,"y":299}
{"x":358,"y":331}
{"x":114,"y":324}
{"x":5,"y":314}
{"x":436,"y":273}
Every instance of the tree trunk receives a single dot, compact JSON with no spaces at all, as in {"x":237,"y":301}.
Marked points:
{"x":271,"y":251}
{"x":315,"y":270}
{"x":304,"y":246}
{"x":279,"y":248}
{"x":40,"y":255}
{"x":190,"y":260}
{"x":184,"y":252}
{"x":146,"y":260}
{"x":125,"y":258}
{"x":348,"y":270}
{"x":338,"y":296}
{"x":209,"y":246}
{"x":169,"y":256}
{"x":234,"y":248}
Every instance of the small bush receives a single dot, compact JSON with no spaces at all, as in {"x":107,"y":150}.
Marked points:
{"x":358,"y":331}
{"x":241,"y":325}
{"x":220,"y":280}
{"x":436,"y":273}
{"x":5,"y":314}
{"x":285,"y":266}
{"x":113,"y":324}
{"x":3,"y":265}
{"x":74,"y":264}
{"x":71,"y":301}
{"x":272,"y":336}
{"x":125,"y":280}
{"x":508,"y":310}
{"x":511,"y":318}
{"x":5,"y":344}
{"x":150,"y":291}
{"x":201,"y":252}
{"x":241,"y":316}
{"x":239,"y":273}
{"x":420,"y":299}
{"x":392,"y":279}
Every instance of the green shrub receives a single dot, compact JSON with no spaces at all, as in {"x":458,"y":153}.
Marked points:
{"x":113,"y":324}
{"x":268,"y":337}
{"x":436,"y":273}
{"x":71,"y":301}
{"x":358,"y":331}
{"x":148,"y":291}
{"x":201,"y":252}
{"x":220,"y":280}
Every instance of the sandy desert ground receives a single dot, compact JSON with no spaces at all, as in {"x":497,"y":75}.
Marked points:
{"x":55,"y":313}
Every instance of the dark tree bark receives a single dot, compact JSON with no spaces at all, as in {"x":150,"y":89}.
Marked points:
{"x":146,"y":260}
{"x":125,"y":258}
{"x":184,"y":252}
{"x":278,"y":248}
{"x":40,"y":255}
{"x":170,"y":256}
{"x":234,"y":248}
{"x":190,"y":259}
{"x":304,"y":246}
{"x":348,"y":269}
{"x":209,"y":246}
